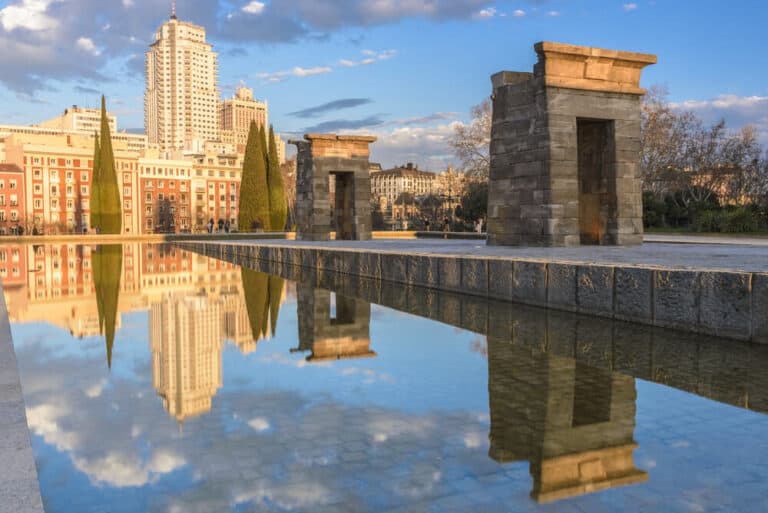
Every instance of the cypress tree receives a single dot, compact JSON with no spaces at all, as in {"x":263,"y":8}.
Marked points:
{"x":96,"y":184}
{"x":254,"y":196}
{"x":278,"y":206}
{"x":109,"y":194}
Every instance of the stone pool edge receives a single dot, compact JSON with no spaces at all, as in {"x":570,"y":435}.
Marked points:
{"x":19,"y":483}
{"x":731,"y":304}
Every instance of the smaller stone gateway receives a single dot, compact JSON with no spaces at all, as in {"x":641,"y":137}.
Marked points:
{"x":345,"y":158}
{"x":565,"y":149}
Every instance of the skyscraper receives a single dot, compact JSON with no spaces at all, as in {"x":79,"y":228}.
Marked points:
{"x":236,"y":114}
{"x":182,"y":96}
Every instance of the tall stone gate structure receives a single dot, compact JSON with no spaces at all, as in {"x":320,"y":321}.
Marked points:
{"x":344,"y":158}
{"x":565,"y":149}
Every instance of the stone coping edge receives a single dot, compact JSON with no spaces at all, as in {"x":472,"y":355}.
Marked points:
{"x":728,"y":304}
{"x":19,"y":484}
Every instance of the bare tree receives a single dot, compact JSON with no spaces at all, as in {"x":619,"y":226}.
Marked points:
{"x":471,"y":142}
{"x":663,"y":136}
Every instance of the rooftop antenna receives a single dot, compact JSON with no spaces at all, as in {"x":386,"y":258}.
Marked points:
{"x":173,"y":10}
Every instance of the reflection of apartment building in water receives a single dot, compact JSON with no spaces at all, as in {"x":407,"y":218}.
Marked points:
{"x":332,"y":327}
{"x":186,"y":342}
{"x":573,"y":423}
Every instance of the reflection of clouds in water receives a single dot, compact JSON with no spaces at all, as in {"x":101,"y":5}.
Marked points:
{"x":284,"y":451}
{"x":122,"y":470}
{"x":475,"y":439}
{"x":286,"y":496}
{"x":384,"y":426}
{"x":95,"y":390}
{"x":259,"y":424}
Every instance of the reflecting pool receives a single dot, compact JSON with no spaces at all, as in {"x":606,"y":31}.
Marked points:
{"x":165,"y":381}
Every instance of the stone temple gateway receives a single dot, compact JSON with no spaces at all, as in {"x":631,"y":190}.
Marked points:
{"x":565,"y":148}
{"x":344,"y":158}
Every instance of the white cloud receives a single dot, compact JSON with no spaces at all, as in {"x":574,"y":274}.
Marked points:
{"x":725,"y":101}
{"x":254,"y":7}
{"x":630,"y":6}
{"x":259,"y":424}
{"x":737,"y":111}
{"x":488,"y":12}
{"x":127,"y":3}
{"x":371,"y":57}
{"x":86,"y":44}
{"x":308,"y":72}
{"x":29,"y":14}
{"x":553,"y":13}
{"x":518,"y":13}
{"x":298,"y":71}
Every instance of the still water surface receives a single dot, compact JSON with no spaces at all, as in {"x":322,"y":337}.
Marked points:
{"x":191,"y":385}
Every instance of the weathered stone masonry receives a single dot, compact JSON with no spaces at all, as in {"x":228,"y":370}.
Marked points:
{"x":321,"y":156}
{"x":565,"y":147}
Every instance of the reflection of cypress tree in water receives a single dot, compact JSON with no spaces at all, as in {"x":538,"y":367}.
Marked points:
{"x":276,"y":286}
{"x":107,"y":263}
{"x":262,"y":300}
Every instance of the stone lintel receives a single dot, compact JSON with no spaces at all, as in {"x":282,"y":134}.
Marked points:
{"x":341,"y":146}
{"x":591,"y":69}
{"x":342,"y":138}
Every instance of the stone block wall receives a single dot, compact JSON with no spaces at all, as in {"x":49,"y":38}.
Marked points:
{"x":319,"y":157}
{"x":543,"y":190}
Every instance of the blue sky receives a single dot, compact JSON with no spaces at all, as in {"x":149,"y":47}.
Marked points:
{"x":404,"y":70}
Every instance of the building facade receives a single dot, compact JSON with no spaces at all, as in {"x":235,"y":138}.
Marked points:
{"x":80,"y":119}
{"x":236,"y":115}
{"x":182,"y":94}
{"x":392,"y":183}
{"x":12,"y":198}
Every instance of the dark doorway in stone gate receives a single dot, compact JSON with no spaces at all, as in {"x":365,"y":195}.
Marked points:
{"x":597,"y":180}
{"x":344,"y":205}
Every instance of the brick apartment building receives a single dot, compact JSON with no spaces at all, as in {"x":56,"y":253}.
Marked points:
{"x":12,"y":198}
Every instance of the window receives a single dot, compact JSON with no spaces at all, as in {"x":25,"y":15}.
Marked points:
{"x":127,"y":204}
{"x":126,"y":191}
{"x":38,"y":174}
{"x":38,"y":203}
{"x":2,"y":200}
{"x":38,"y":188}
{"x":83,"y":177}
{"x":84,"y":190}
{"x":12,"y":184}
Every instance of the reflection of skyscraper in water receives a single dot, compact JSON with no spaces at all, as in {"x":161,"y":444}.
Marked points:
{"x":573,"y":423}
{"x":235,"y":323}
{"x":186,"y":341}
{"x":328,"y":335}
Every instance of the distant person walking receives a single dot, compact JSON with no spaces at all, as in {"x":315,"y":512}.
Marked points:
{"x":227,"y":226}
{"x":221,"y":225}
{"x":210,"y":225}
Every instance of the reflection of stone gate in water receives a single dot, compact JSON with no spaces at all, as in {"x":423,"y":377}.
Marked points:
{"x":345,"y":159}
{"x":565,"y":149}
{"x":572,"y":422}
{"x":329,"y":335}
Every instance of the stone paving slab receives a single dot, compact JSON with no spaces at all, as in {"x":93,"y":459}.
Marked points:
{"x":19,"y":486}
{"x":702,"y":288}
